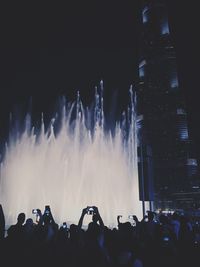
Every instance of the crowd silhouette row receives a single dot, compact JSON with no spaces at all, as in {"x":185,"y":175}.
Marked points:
{"x":157,"y":240}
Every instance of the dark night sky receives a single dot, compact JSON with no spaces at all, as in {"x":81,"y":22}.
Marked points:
{"x":46,"y":51}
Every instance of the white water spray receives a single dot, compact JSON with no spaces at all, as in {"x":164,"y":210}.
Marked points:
{"x":80,"y":165}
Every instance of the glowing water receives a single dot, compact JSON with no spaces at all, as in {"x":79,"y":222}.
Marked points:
{"x":80,"y":165}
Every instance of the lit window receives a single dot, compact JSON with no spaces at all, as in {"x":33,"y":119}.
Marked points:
{"x":164,"y":27}
{"x":141,"y":68}
{"x":173,"y":79}
{"x":174,"y":82}
{"x":145,"y":15}
{"x":192,"y":162}
{"x":142,"y":63}
{"x":184,"y":134}
{"x":181,"y":111}
{"x":182,"y":129}
{"x":141,"y":72}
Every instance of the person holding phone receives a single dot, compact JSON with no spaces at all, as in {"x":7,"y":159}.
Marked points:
{"x":95,"y":251}
{"x":96,"y":218}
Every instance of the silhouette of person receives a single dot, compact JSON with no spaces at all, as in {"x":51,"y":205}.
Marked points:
{"x":15,"y":232}
{"x":94,"y":252}
{"x":2,"y":223}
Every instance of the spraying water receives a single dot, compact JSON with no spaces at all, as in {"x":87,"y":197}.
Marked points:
{"x":79,"y":165}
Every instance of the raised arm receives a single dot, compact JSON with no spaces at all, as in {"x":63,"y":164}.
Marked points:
{"x":118,"y":220}
{"x":135,"y":218}
{"x":80,"y":223}
{"x":39,"y":214}
{"x":96,"y":212}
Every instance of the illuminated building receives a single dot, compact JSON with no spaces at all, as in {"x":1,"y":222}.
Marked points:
{"x":163,"y":118}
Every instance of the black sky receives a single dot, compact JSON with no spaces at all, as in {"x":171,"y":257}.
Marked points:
{"x":46,"y":51}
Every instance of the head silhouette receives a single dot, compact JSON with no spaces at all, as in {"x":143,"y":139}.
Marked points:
{"x":21,"y":218}
{"x":29,"y":221}
{"x":150,"y":215}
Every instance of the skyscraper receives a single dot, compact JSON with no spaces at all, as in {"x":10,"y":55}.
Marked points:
{"x":172,"y":169}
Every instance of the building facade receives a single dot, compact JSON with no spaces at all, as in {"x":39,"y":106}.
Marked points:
{"x":172,"y":181}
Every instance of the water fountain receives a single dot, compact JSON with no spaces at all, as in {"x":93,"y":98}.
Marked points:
{"x":79,"y":165}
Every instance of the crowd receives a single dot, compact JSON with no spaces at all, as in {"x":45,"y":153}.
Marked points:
{"x":158,"y":240}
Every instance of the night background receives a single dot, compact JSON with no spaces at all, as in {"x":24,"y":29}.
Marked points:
{"x":52,"y":50}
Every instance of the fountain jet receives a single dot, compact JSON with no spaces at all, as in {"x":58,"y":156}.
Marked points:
{"x":78,"y":164}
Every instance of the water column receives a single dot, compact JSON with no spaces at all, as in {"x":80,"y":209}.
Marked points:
{"x":72,"y":166}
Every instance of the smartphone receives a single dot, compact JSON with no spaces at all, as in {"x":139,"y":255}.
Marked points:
{"x":90,"y":210}
{"x":47,"y":209}
{"x":34,"y":211}
{"x":166,"y":239}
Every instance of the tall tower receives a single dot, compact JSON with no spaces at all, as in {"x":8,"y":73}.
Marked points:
{"x":162,"y":114}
